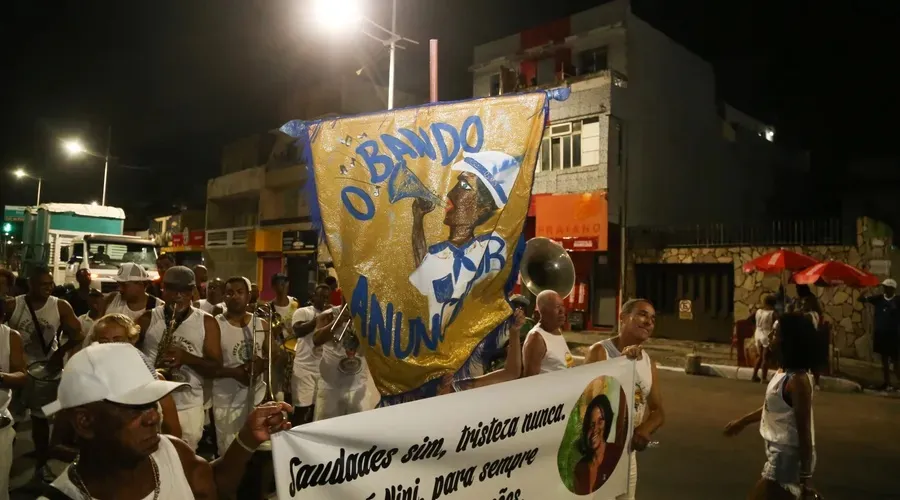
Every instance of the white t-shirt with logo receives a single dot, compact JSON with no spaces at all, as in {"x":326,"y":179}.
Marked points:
{"x":236,"y":342}
{"x":306,"y":354}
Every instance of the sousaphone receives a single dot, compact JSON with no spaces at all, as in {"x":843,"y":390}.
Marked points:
{"x":546,"y":265}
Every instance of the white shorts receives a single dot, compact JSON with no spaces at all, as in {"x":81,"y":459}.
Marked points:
{"x":303,"y":389}
{"x":332,"y":403}
{"x":191,"y":420}
{"x":229,"y":420}
{"x":762,"y":341}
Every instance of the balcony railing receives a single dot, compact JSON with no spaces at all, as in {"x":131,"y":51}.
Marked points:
{"x":228,"y":237}
{"x":826,"y":231}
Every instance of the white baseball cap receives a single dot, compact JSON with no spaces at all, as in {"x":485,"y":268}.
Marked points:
{"x":498,"y":171}
{"x":113,"y":372}
{"x":131,"y":272}
{"x":889,"y":282}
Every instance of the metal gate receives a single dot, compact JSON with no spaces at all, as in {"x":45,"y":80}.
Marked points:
{"x":708,"y":287}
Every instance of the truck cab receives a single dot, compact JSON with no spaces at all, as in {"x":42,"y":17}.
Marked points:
{"x":102,"y":254}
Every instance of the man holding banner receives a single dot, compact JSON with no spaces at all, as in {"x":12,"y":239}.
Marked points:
{"x":637,"y":320}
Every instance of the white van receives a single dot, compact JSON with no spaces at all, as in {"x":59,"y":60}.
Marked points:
{"x":102,"y":254}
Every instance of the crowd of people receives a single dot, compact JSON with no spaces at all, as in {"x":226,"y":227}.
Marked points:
{"x":157,"y":368}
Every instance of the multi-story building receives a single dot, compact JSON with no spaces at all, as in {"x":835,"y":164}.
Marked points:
{"x":183,"y":235}
{"x":643,"y":141}
{"x":257,"y":217}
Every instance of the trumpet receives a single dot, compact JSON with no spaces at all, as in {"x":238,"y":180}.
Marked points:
{"x":339,"y":338}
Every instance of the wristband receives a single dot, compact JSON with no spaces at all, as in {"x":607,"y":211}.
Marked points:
{"x":237,"y":439}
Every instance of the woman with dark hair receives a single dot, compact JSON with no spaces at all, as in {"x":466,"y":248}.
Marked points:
{"x":786,"y":417}
{"x":599,"y":457}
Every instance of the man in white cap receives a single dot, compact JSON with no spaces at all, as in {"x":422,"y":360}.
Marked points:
{"x":886,"y":336}
{"x":132,"y":299}
{"x":111,"y":399}
{"x":446,"y":271}
{"x":195,"y":351}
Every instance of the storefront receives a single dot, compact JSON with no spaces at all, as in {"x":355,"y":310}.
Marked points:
{"x":579,"y":222}
{"x":186,"y":247}
{"x":292,"y":252}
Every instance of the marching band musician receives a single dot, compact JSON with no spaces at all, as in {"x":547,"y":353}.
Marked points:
{"x":132,"y":299}
{"x":39,"y":307}
{"x":111,"y":398}
{"x":230,"y":394}
{"x":343,"y":371}
{"x":308,"y":354}
{"x":214,"y":303}
{"x":12,"y":376}
{"x":163,"y":263}
{"x":195,"y":351}
{"x":284,"y":306}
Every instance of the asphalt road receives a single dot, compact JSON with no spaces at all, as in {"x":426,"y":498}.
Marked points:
{"x":857,"y":443}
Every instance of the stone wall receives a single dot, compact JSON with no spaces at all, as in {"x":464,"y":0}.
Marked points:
{"x":850,"y":319}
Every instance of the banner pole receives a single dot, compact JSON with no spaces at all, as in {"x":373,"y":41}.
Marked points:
{"x":433,"y":69}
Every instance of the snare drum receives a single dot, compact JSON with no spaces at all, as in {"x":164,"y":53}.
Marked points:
{"x":41,"y":386}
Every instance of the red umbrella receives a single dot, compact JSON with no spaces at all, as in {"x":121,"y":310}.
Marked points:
{"x":778,"y":261}
{"x":835,"y":273}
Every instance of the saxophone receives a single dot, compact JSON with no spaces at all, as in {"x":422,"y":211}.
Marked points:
{"x":165,"y":343}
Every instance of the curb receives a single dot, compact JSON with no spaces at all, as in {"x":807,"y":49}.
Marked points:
{"x":831,"y":384}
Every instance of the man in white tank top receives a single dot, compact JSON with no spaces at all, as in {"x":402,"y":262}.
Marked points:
{"x":545,"y":349}
{"x":132,"y":299}
{"x":12,"y":376}
{"x":307,"y":354}
{"x":214,"y":303}
{"x":111,"y":399}
{"x":284,"y":306}
{"x":637,"y":320}
{"x":195,"y":351}
{"x":243,"y":345}
{"x":40,"y":344}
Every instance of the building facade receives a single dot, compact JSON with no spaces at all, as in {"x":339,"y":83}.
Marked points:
{"x":642,"y":141}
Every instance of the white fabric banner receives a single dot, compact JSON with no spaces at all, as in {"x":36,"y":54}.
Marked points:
{"x":558,"y":435}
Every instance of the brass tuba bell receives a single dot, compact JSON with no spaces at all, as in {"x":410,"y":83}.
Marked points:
{"x":403,"y":183}
{"x":547,"y":266}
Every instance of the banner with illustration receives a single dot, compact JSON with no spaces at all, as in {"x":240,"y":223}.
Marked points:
{"x":559,"y":435}
{"x":422,"y":210}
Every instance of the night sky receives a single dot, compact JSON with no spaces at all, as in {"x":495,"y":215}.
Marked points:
{"x":178,"y":79}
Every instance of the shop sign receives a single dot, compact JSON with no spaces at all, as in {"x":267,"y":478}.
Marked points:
{"x":299,"y":241}
{"x":685,"y":309}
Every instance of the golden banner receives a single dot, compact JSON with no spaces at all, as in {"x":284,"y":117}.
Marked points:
{"x":421,"y":210}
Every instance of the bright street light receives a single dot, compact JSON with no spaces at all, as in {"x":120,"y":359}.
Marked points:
{"x":21,"y":173}
{"x":337,"y":14}
{"x":74,"y":147}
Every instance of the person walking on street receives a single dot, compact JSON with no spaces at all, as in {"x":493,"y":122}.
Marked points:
{"x":765,"y":327}
{"x":886,"y":336}
{"x":786,"y":416}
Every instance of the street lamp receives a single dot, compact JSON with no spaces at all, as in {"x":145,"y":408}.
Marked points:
{"x":74,"y":147}
{"x":20,"y":173}
{"x":341,"y":14}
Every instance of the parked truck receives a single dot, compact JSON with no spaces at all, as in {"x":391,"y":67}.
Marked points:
{"x":67,"y":237}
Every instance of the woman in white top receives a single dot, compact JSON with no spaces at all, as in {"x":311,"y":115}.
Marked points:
{"x":765,"y":327}
{"x":545,"y":349}
{"x":786,"y":416}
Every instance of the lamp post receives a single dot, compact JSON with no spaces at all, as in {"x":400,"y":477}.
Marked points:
{"x":74,"y":148}
{"x":341,"y":14}
{"x":20,"y":173}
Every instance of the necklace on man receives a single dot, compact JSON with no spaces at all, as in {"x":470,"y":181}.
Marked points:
{"x":79,"y":483}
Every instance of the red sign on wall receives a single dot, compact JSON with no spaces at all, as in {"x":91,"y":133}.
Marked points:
{"x":577,"y":221}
